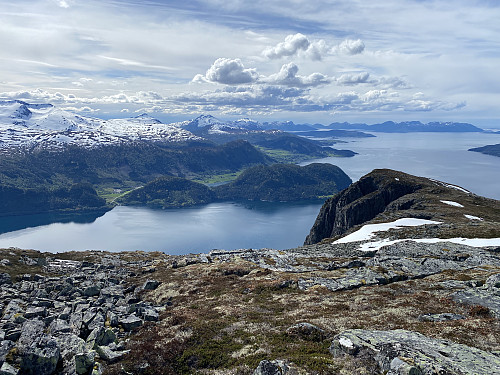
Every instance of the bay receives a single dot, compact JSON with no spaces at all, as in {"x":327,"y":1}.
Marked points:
{"x":175,"y":231}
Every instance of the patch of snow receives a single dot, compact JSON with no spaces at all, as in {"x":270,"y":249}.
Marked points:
{"x":345,"y":342}
{"x":367,"y":231}
{"x":470,"y":217}
{"x":474,"y":242}
{"x":451,"y":203}
{"x":397,"y":179}
{"x":458,"y":188}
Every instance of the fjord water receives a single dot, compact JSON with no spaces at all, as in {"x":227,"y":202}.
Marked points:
{"x":442,"y":156}
{"x":176,"y":231}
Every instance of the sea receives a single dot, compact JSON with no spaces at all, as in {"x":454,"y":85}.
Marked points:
{"x":238,"y":225}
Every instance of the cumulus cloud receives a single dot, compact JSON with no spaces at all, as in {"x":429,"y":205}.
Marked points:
{"x":299,"y":44}
{"x":229,"y":72}
{"x":353,"y":79}
{"x":287,"y":76}
{"x":291,"y":46}
{"x":350,"y":47}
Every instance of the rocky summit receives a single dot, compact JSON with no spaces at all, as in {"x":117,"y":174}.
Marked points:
{"x":406,"y":281}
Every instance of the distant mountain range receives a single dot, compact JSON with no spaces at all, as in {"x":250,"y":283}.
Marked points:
{"x":44,"y":126}
{"x":408,"y":127}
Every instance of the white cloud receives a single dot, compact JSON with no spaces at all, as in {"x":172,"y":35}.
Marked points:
{"x":229,"y":72}
{"x":63,"y":4}
{"x":353,"y":79}
{"x":291,"y":46}
{"x":287,"y":76}
{"x":350,"y":47}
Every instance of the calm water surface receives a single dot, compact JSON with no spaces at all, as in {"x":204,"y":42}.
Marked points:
{"x":175,"y":231}
{"x":441,"y":156}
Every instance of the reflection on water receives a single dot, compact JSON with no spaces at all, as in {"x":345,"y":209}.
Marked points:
{"x":13,"y":223}
{"x":177,"y":231}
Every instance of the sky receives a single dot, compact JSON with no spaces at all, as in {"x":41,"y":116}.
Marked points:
{"x":300,"y":60}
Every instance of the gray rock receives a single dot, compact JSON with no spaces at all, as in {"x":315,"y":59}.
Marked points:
{"x":13,"y":335}
{"x":5,"y":347}
{"x":493,"y":281}
{"x":109,"y":355}
{"x":69,"y":345}
{"x":101,"y":336}
{"x":91,"y":291}
{"x":151,"y":285}
{"x":130,"y":323}
{"x":5,"y":262}
{"x":30,"y":331}
{"x":41,"y":359}
{"x":59,"y":326}
{"x":84,"y":362}
{"x":479,"y":296}
{"x":420,"y":354}
{"x":5,"y":279}
{"x":276,"y":367}
{"x":7,"y":369}
{"x":33,"y":312}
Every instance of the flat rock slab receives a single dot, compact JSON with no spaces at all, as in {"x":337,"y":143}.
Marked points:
{"x":480,"y":296}
{"x":407,"y":352}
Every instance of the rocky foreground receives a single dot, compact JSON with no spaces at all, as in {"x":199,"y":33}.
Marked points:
{"x":390,"y":304}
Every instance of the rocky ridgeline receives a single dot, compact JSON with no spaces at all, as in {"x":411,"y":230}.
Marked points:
{"x":70,"y":323}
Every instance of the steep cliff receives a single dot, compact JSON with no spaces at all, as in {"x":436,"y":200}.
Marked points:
{"x":385,"y":195}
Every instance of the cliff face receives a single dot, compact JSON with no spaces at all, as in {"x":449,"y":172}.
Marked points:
{"x":363,"y":201}
{"x":385,"y":195}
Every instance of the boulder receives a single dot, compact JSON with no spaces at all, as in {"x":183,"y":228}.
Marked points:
{"x":407,"y":352}
{"x":84,"y":362}
{"x":42,"y":358}
{"x":131,"y":322}
{"x":7,"y":369}
{"x":151,"y":285}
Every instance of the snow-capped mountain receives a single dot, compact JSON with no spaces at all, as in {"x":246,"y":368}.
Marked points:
{"x":212,"y":125}
{"x":38,"y":126}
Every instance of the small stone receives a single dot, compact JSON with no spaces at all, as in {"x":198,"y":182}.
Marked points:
{"x":92,"y":291}
{"x":33,"y":312}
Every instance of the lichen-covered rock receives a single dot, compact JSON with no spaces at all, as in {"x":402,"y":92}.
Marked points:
{"x":131,"y":322}
{"x":7,"y":369}
{"x":405,"y":352}
{"x":277,"y":367}
{"x":42,"y":358}
{"x":84,"y":362}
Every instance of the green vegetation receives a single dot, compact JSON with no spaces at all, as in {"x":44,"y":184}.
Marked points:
{"x":218,"y":178}
{"x":169,"y":192}
{"x":80,"y":197}
{"x":278,"y":182}
{"x":285,"y":182}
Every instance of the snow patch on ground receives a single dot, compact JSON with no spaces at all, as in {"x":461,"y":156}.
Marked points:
{"x":474,"y":242}
{"x":470,"y":217}
{"x":367,"y":231}
{"x":451,"y":203}
{"x":345,"y":342}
